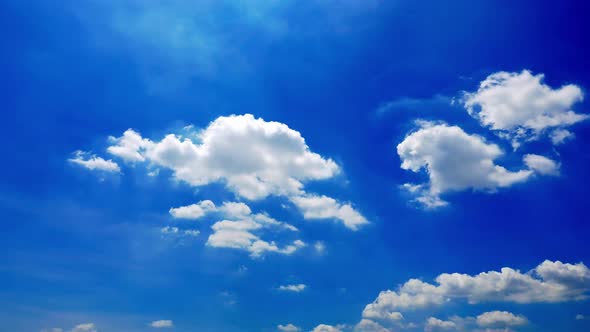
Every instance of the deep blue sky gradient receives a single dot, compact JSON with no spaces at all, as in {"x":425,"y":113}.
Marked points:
{"x":76,"y":247}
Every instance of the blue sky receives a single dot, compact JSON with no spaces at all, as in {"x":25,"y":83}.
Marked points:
{"x":325,"y":166}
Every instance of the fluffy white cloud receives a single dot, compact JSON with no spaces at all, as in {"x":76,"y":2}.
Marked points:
{"x":93,"y":162}
{"x":252,"y":157}
{"x":85,"y":327}
{"x":521,"y":107}
{"x":130,"y":147}
{"x":548,"y":282}
{"x":454,"y":161}
{"x":541,"y":165}
{"x":580,"y":317}
{"x":293,"y":288}
{"x":255,"y":158}
{"x":164,"y":323}
{"x":324,"y":207}
{"x":500,"y":319}
{"x":193,"y":211}
{"x":327,"y":328}
{"x":435,"y":324}
{"x":288,"y":328}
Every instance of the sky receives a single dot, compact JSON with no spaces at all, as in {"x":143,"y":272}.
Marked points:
{"x":320,"y":165}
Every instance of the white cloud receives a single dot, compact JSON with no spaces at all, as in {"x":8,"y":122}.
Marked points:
{"x":252,"y":157}
{"x":367,"y":325}
{"x":435,"y":324}
{"x":324,"y":207}
{"x":85,"y":327}
{"x":237,"y":230}
{"x":560,"y":136}
{"x":255,"y":158}
{"x":288,"y":328}
{"x":500,"y":319}
{"x":93,"y":162}
{"x":238,"y":235}
{"x":193,"y":211}
{"x":130,"y":147}
{"x":454,"y":161}
{"x":549,"y":282}
{"x":327,"y":328}
{"x":293,"y":288}
{"x":580,"y":317}
{"x":541,"y":165}
{"x":521,"y":107}
{"x":164,"y":323}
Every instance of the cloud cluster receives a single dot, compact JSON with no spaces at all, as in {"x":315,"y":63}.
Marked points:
{"x":522,"y":108}
{"x":519,"y":107}
{"x":239,"y":227}
{"x":252,"y":157}
{"x":549,"y":282}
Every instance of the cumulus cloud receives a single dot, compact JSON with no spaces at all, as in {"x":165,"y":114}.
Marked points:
{"x":252,"y":157}
{"x":293,"y":288}
{"x":541,"y":165}
{"x":435,"y":324}
{"x":580,"y":317}
{"x":500,"y":319}
{"x":454,"y":161}
{"x":93,"y":162}
{"x":327,"y":328}
{"x":193,"y":211}
{"x":520,"y":107}
{"x":288,"y":328}
{"x":323,"y":207}
{"x":164,"y":323}
{"x":549,"y":282}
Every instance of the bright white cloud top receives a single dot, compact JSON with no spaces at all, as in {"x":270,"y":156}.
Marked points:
{"x":327,"y":328}
{"x":455,"y":160}
{"x":252,"y":157}
{"x":520,"y":107}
